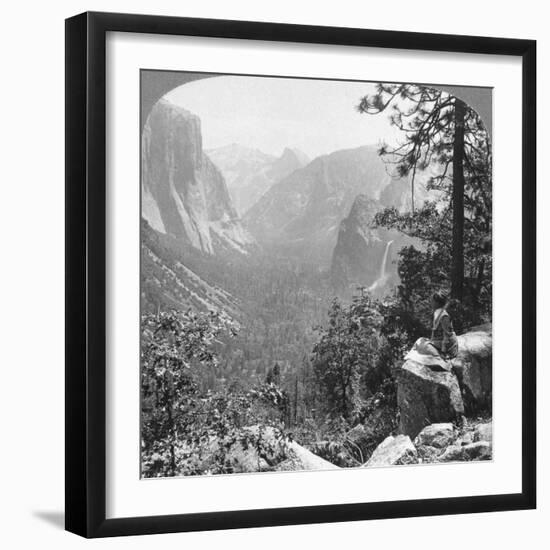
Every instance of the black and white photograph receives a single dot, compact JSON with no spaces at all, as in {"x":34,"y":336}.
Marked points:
{"x":316,"y":284}
{"x":274,"y":275}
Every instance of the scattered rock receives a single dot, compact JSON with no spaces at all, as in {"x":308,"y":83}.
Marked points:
{"x":480,"y":450}
{"x":393,"y":451}
{"x":465,"y":439}
{"x":484,"y":432}
{"x":453,"y":453}
{"x":278,"y":453}
{"x":246,"y":460}
{"x":473,"y":367}
{"x":367,"y":436}
{"x":427,"y":453}
{"x":306,"y":460}
{"x":425,"y":396}
{"x":436,"y":435}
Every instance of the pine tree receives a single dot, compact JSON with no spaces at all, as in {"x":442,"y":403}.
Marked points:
{"x":442,"y":133}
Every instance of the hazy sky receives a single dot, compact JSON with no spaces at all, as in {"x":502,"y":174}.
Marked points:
{"x":270,"y":114}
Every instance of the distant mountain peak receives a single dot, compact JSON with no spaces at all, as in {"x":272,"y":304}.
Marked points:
{"x":304,"y":209}
{"x":249,"y":172}
{"x":293,"y":152}
{"x":363,"y":209}
{"x":238,"y":150}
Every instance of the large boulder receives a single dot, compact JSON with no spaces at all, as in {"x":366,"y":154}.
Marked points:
{"x":436,"y":435}
{"x":453,"y":453}
{"x":474,"y":368}
{"x":364,"y":438}
{"x":426,"y":396}
{"x":480,"y":450}
{"x":299,"y":458}
{"x":393,"y":451}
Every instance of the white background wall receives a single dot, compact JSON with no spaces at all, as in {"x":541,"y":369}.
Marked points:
{"x":32,"y":272}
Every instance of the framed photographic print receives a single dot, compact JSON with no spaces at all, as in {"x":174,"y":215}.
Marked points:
{"x":300,"y":274}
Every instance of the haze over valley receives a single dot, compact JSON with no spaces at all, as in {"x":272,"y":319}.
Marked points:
{"x":268,"y":239}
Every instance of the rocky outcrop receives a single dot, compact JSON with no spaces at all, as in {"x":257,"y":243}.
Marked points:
{"x":393,"y":451}
{"x":265,"y":449}
{"x":365,"y":254}
{"x":358,"y":256}
{"x":473,"y":367}
{"x":183,"y":193}
{"x":425,"y":396}
{"x":436,"y":443}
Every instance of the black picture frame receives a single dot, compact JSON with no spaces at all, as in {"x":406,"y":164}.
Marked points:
{"x":86,"y":274}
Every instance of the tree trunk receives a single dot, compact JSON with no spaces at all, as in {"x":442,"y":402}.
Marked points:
{"x":344,"y":397}
{"x":296,"y":400}
{"x":457,"y":269}
{"x":479,"y":283}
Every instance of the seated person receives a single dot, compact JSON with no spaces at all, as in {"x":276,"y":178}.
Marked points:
{"x":443,"y":342}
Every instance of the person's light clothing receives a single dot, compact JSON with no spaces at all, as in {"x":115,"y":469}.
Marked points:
{"x":437,"y":351}
{"x":425,"y":353}
{"x":443,"y":336}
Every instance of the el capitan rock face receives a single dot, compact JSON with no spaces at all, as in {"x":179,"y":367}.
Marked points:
{"x":183,"y":193}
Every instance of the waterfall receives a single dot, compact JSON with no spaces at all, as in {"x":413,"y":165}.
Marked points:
{"x":385,"y":261}
{"x":382,"y":276}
